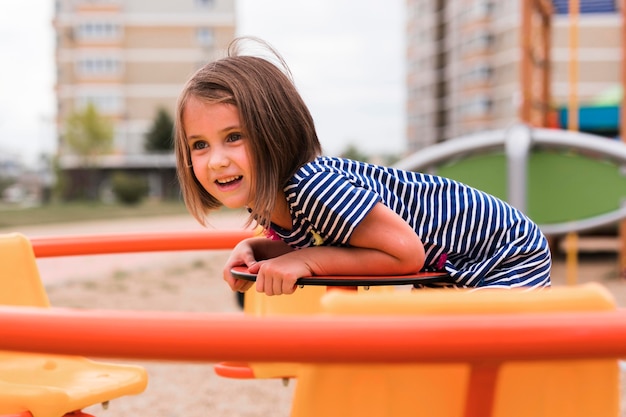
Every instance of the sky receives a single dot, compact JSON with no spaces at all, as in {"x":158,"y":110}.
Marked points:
{"x":346,"y":56}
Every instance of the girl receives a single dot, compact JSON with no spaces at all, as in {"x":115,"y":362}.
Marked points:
{"x":245,"y":138}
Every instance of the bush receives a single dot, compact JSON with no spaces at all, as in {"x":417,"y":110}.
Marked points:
{"x":5,"y":183}
{"x":129,"y":189}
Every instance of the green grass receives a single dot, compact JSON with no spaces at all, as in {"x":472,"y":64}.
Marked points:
{"x":12,"y":216}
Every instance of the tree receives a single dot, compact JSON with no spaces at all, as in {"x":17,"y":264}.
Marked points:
{"x":89,"y":134}
{"x":5,"y":183}
{"x":352,"y":152}
{"x":129,"y":189}
{"x":160,"y":137}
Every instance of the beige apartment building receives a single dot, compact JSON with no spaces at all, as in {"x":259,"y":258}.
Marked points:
{"x":463,"y":64}
{"x":132,"y":57}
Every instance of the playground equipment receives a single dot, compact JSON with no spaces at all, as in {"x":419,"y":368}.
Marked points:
{"x":566,"y":181}
{"x":47,"y":385}
{"x":492,"y":342}
{"x":478,"y":388}
{"x":520,"y":161}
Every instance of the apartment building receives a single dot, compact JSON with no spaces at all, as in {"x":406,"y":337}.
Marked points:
{"x":131,"y":57}
{"x":463,"y":63}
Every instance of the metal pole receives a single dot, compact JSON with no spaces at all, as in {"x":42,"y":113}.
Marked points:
{"x":517,"y":147}
{"x":622,"y":227}
{"x":525,"y":64}
{"x":571,"y":240}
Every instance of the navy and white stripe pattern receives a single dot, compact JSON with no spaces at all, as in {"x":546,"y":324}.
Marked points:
{"x":487,"y":243}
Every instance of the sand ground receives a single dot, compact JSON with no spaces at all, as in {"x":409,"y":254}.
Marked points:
{"x":191,"y":281}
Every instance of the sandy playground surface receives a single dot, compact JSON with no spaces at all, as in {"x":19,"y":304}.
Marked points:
{"x":191,"y":281}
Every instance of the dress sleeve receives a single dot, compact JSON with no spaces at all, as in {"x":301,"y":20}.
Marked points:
{"x":332,"y":203}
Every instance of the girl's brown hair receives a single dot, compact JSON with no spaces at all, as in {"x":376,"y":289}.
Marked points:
{"x":274,"y":117}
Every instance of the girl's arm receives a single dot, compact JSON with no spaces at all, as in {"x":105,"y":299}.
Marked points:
{"x":383,"y":243}
{"x":248,"y":252}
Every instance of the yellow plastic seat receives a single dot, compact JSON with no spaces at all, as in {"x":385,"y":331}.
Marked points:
{"x":573,"y":388}
{"x":53,"y":385}
{"x":49,"y":385}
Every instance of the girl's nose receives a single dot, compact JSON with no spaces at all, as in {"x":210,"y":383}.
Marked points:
{"x":218,"y":159}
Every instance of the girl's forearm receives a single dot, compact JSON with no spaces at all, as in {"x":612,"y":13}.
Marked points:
{"x":329,"y":260}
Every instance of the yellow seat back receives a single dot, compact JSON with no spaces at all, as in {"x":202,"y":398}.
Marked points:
{"x":573,"y":388}
{"x":589,"y":297}
{"x":20,"y":283}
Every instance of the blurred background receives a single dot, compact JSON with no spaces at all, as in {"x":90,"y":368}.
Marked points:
{"x":383,"y":79}
{"x":130,"y":59}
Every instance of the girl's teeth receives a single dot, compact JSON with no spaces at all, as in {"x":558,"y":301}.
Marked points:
{"x":227,"y":180}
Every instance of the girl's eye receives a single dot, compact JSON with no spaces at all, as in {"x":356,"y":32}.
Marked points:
{"x":200,"y":145}
{"x":234,"y":137}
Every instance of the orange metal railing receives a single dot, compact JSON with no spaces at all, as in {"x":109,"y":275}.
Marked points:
{"x":137,"y":242}
{"x":210,"y":336}
{"x":187,"y":336}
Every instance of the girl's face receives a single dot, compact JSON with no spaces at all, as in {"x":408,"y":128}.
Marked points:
{"x":219,"y":154}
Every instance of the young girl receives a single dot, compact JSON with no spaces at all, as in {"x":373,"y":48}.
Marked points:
{"x":245,"y":139}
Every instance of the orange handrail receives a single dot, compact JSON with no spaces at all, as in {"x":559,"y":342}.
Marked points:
{"x":187,"y":336}
{"x":137,"y":242}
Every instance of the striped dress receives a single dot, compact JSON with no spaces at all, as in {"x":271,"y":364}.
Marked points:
{"x":478,"y":239}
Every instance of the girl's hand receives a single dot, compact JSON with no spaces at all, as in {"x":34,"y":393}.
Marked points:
{"x":249,"y":253}
{"x":242,"y":254}
{"x":279,"y":275}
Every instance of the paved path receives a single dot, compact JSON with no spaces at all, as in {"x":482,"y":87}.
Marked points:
{"x":88,"y":267}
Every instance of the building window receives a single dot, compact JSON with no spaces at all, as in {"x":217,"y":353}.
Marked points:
{"x":478,"y":41}
{"x":98,"y":31}
{"x":477,"y":106}
{"x":478,"y":73}
{"x":205,"y":36}
{"x":481,"y":9}
{"x":98,"y":67}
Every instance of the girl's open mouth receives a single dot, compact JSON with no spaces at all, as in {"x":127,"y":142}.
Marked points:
{"x":229,"y":181}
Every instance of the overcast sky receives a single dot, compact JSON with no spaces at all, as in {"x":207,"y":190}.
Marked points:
{"x":347,"y":58}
